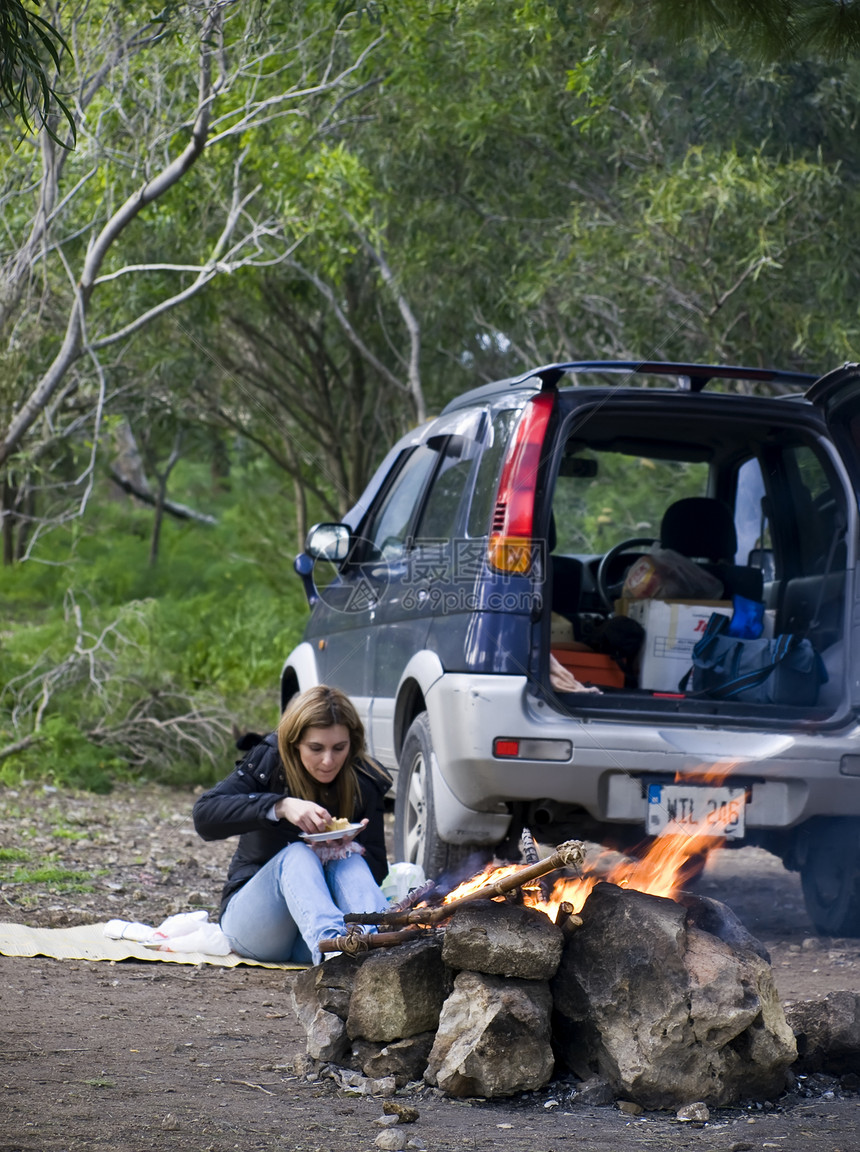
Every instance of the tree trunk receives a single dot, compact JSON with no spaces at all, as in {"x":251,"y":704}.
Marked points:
{"x":161,"y":498}
{"x":301,"y":512}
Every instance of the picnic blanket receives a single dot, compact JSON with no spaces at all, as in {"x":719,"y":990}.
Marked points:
{"x":89,"y":942}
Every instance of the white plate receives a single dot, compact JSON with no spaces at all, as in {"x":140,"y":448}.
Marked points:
{"x":336,"y":834}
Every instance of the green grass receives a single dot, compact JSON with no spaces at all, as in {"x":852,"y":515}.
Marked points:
{"x":13,"y":854}
{"x":69,"y":834}
{"x":61,"y":880}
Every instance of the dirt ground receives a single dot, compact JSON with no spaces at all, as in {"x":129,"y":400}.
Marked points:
{"x":134,"y":1056}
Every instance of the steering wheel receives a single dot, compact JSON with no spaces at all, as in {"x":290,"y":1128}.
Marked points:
{"x":606,"y":591}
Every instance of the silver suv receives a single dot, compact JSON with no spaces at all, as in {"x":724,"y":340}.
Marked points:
{"x":486,"y":577}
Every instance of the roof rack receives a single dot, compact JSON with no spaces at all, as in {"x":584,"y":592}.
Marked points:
{"x":691,"y":377}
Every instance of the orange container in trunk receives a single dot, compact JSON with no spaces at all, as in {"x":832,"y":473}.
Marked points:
{"x":589,"y":667}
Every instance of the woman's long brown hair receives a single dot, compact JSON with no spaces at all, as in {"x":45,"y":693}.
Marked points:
{"x":321,"y":707}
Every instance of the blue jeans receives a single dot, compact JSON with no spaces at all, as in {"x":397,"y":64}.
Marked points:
{"x":296,"y":900}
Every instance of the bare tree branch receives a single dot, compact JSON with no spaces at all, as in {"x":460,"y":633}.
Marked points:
{"x":409,"y":319}
{"x":242,"y":242}
{"x":71,"y":346}
{"x":328,"y":294}
{"x":149,"y":723}
{"x":179,"y":511}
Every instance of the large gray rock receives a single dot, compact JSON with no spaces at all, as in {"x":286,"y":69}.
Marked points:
{"x":398,"y":992}
{"x":320,"y":998}
{"x":326,"y":1037}
{"x":493,"y":1037}
{"x":827,"y":1030}
{"x":328,"y":985}
{"x":503,"y":939}
{"x":667,"y":1012}
{"x":717,"y":918}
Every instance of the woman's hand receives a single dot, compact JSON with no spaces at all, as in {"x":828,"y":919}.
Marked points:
{"x":305,"y":814}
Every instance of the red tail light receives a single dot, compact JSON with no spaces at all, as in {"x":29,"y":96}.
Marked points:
{"x":510,"y":545}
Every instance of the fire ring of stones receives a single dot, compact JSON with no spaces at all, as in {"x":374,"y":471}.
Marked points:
{"x":668,"y":1002}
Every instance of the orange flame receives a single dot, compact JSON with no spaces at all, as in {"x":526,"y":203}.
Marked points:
{"x":662,"y":870}
{"x":717,"y":775}
{"x":489,"y":874}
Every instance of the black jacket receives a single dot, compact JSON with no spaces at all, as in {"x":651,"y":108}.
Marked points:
{"x":238,"y":806}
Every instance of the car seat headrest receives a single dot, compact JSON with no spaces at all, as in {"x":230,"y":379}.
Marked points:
{"x":699,"y":527}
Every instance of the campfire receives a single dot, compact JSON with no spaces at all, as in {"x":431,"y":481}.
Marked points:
{"x":662,"y":870}
{"x":605,"y":968}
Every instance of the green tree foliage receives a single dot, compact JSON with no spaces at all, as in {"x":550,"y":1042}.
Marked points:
{"x":317,"y":407}
{"x":767,"y":29}
{"x":595,"y":190}
{"x":722,"y":240}
{"x":30,"y":54}
{"x":111,"y":668}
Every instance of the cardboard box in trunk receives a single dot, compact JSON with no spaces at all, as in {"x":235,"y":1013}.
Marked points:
{"x":672,"y":627}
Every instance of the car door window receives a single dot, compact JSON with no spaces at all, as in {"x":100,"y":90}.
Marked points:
{"x":388,"y":526}
{"x":817,"y":504}
{"x":603,"y":498}
{"x":440,"y":515}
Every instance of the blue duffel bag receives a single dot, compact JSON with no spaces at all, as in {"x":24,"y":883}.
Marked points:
{"x":782,"y":670}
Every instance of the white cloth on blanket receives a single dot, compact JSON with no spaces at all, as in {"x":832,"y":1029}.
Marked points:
{"x":185,"y":932}
{"x":128,"y":930}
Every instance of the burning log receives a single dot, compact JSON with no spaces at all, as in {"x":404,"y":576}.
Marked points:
{"x":570,"y":854}
{"x":414,"y":897}
{"x":566,"y":919}
{"x":528,"y":847}
{"x":565,"y":909}
{"x":409,"y":901}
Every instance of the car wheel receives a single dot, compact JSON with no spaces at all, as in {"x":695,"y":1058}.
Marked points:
{"x":830,"y":876}
{"x":415,"y":836}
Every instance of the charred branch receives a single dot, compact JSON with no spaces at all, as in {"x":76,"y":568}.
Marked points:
{"x":570,"y":854}
{"x":355,"y":943}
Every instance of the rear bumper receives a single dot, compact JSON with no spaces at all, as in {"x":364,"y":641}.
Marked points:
{"x":792,"y":775}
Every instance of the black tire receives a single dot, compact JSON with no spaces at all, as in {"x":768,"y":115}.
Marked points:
{"x":415,"y":837}
{"x":830,"y":875}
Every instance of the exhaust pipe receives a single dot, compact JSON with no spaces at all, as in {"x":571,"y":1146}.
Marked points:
{"x":542,"y":812}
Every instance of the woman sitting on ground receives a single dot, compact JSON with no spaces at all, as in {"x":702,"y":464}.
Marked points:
{"x":284,"y":894}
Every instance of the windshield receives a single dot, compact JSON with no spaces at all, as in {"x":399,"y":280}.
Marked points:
{"x":602,"y":498}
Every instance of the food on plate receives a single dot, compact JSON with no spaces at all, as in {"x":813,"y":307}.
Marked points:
{"x":337,"y":825}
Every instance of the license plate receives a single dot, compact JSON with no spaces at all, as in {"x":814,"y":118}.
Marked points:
{"x":695,"y":810}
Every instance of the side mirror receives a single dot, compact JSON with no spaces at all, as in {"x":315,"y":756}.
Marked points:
{"x":328,"y":542}
{"x":304,"y":566}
